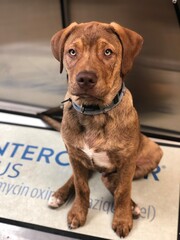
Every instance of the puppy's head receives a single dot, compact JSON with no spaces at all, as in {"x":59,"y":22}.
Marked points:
{"x":96,"y":57}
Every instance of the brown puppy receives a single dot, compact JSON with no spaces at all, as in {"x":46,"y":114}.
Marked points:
{"x":100,"y":126}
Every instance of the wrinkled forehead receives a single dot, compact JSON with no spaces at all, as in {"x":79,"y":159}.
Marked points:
{"x":90,"y":33}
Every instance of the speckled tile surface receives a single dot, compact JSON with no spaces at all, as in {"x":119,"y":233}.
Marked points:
{"x":10,"y":232}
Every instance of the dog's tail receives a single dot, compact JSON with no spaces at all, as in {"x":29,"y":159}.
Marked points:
{"x":52,"y":117}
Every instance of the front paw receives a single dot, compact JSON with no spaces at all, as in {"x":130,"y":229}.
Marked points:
{"x":76,"y":217}
{"x":55,"y":202}
{"x":122,"y":226}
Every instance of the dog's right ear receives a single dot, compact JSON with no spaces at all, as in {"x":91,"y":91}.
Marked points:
{"x":58,"y":41}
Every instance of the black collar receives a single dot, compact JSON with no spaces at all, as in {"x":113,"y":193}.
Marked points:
{"x":95,"y":109}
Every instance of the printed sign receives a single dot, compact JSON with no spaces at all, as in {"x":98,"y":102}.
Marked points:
{"x":34,"y":163}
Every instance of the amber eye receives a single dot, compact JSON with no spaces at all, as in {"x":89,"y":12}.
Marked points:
{"x":108,"y":52}
{"x":72,"y":52}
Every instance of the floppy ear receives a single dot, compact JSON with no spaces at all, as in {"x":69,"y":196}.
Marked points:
{"x":131,"y":45}
{"x":58,"y":41}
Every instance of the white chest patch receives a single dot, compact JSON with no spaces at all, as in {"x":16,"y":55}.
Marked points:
{"x":101,"y":159}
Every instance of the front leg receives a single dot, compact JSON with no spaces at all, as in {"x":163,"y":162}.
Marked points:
{"x":78,"y":213}
{"x":123,"y":220}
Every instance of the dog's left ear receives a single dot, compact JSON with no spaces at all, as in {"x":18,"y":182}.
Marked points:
{"x":58,"y":41}
{"x":132,"y":43}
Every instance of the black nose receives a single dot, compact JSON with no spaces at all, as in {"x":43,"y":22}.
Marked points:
{"x":86,"y":80}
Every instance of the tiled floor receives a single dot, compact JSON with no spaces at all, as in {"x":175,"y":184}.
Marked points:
{"x":9,"y":232}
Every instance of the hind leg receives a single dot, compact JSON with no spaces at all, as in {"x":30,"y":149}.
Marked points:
{"x":149,"y":157}
{"x":59,"y":197}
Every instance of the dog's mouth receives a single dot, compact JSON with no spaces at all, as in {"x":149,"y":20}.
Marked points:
{"x":85,"y":95}
{"x":87,"y":99}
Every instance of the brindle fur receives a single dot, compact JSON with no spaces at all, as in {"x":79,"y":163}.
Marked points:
{"x":117,"y":133}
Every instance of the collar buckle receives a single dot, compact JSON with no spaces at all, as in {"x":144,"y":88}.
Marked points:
{"x":82,"y":109}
